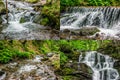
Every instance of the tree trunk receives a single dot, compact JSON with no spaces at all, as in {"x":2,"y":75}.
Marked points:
{"x":7,"y":11}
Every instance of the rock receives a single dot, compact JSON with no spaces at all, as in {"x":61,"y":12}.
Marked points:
{"x":27,"y":70}
{"x":0,"y":20}
{"x":37,"y":19}
{"x":50,"y":54}
{"x":88,"y":31}
{"x":25,"y":19}
{"x":22,"y":20}
{"x":79,"y":33}
{"x":2,"y":75}
{"x":55,"y":60}
{"x":2,"y":7}
{"x":117,"y":64}
{"x":65,"y":34}
{"x":85,"y":69}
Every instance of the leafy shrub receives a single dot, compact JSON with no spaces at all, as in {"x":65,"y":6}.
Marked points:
{"x":7,"y":55}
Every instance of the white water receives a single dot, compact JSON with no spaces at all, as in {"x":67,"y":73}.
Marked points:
{"x":107,"y":20}
{"x":17,"y":10}
{"x":28,"y":30}
{"x":27,"y":68}
{"x":102,"y":65}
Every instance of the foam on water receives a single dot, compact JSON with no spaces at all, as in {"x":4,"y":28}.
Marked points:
{"x":27,"y":68}
{"x":102,"y":65}
{"x":107,"y":19}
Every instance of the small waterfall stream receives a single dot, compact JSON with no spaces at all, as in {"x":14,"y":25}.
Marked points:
{"x":106,"y":19}
{"x":31,"y":69}
{"x":102,"y":65}
{"x":15,"y":29}
{"x":17,"y":10}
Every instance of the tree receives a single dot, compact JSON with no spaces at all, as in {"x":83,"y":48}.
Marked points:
{"x":7,"y":11}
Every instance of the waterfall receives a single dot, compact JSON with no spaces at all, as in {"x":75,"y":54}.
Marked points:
{"x":21,"y":25}
{"x":106,"y":19}
{"x":103,"y":17}
{"x":102,"y":65}
{"x":18,"y":10}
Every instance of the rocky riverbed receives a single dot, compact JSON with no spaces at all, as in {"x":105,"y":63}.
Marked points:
{"x":24,"y":21}
{"x":39,"y":68}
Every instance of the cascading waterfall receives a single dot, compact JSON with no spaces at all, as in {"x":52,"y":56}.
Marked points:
{"x":102,"y":65}
{"x":107,"y":19}
{"x":17,"y":10}
{"x":21,"y":16}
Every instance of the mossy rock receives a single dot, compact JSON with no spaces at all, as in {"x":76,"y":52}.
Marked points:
{"x":2,"y":7}
{"x":112,"y":49}
{"x":67,"y":71}
{"x":44,"y":21}
{"x":22,"y":20}
{"x":37,"y":19}
{"x":67,"y":77}
{"x":85,"y":31}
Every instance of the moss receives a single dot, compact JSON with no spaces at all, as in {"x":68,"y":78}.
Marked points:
{"x":56,"y":64}
{"x":22,"y":20}
{"x":63,"y":59}
{"x":44,"y":21}
{"x":67,"y":71}
{"x":52,"y":13}
{"x":88,"y":31}
{"x":67,"y":78}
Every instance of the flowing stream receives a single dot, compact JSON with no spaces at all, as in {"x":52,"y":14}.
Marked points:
{"x":32,"y":69}
{"x":16,"y":29}
{"x":101,"y":65}
{"x":106,"y":19}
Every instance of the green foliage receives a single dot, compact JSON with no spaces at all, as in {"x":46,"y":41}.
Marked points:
{"x":69,"y":3}
{"x":23,"y":54}
{"x":12,"y":49}
{"x":7,"y":55}
{"x":51,"y":14}
{"x":44,"y":21}
{"x":49,"y":46}
{"x":63,"y":58}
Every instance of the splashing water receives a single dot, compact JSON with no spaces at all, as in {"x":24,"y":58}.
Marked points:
{"x":107,"y":19}
{"x":102,"y":65}
{"x":20,"y":23}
